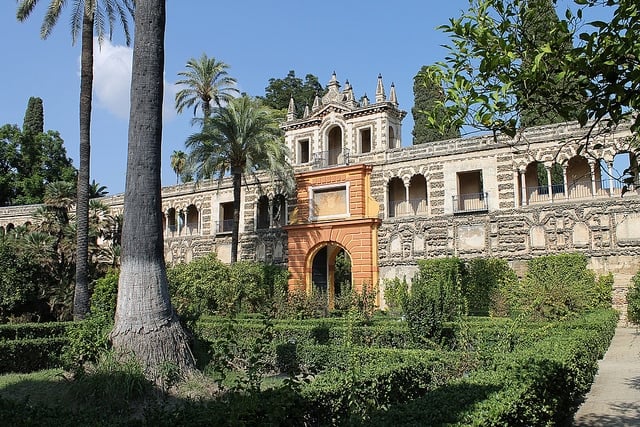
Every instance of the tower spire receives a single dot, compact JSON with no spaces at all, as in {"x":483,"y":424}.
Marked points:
{"x":392,"y":96}
{"x":380,"y":96}
{"x":291,"y":111}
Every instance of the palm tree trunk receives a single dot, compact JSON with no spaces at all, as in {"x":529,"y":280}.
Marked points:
{"x":81,"y":294}
{"x":145,"y":323}
{"x":235,"y":231}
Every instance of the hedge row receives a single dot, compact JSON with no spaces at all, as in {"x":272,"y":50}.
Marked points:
{"x":337,"y":397}
{"x":29,"y":355}
{"x":386,"y":334}
{"x":32,"y":330}
{"x":540,"y":383}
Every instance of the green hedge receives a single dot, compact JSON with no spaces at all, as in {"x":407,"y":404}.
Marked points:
{"x":29,"y":355}
{"x":33,"y":330}
{"x":539,"y":383}
{"x":388,"y":334}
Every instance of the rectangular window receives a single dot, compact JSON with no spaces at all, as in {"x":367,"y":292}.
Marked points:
{"x":303,"y":151}
{"x":329,"y":202}
{"x":225,"y":224}
{"x":365,"y":140}
{"x":471,"y":196}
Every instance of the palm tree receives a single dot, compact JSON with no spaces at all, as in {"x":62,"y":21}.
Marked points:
{"x":241,"y":138}
{"x":96,"y":190}
{"x":87,"y":17}
{"x":146,"y":325}
{"x":206,"y":80}
{"x":178,"y":163}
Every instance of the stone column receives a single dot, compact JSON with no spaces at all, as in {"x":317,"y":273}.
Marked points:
{"x":565,"y":181}
{"x":592,"y":166}
{"x":523,"y":187}
{"x":407,"y":204}
{"x":610,"y":170}
{"x":549,"y":185}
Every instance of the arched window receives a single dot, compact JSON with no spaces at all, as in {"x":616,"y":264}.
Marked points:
{"x":334,"y":155}
{"x":262,"y":220}
{"x":193,"y":220}
{"x":172,"y":223}
{"x":279,"y":211}
{"x":578,"y":177}
{"x":392,"y":138}
{"x":397,"y":197}
{"x":418,"y":194}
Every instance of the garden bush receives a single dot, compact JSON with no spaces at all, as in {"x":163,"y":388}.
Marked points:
{"x":633,"y":299}
{"x":435,"y":297}
{"x":539,"y":382}
{"x":29,"y":355}
{"x":487,"y":285}
{"x":105,"y":293}
{"x":559,"y":285}
{"x":20,"y":331}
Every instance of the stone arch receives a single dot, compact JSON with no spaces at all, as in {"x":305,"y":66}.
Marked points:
{"x":322,"y":268}
{"x":262,"y":213}
{"x":396,"y":197}
{"x":578,"y":177}
{"x":418,"y":194}
{"x":192,"y":220}
{"x":335,"y":145}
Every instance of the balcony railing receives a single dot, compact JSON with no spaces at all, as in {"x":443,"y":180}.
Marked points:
{"x":324,"y":159}
{"x":225,"y":226}
{"x":407,"y":208}
{"x":576,"y":190}
{"x":471,"y":202}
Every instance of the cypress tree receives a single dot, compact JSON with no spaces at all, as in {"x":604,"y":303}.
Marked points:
{"x":34,"y":117}
{"x":426,"y":94}
{"x":542,"y":97}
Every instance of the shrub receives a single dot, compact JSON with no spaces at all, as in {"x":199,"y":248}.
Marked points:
{"x":105,"y":293}
{"x":633,"y":299}
{"x":29,"y":355}
{"x":435,"y":297}
{"x":19,"y":278}
{"x":487,"y":286}
{"x":33,"y":330}
{"x":558,"y":285}
{"x":87,"y":340}
{"x":396,"y":292}
{"x":195,"y":286}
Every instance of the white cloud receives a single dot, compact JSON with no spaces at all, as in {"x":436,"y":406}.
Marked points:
{"x":112,"y":80}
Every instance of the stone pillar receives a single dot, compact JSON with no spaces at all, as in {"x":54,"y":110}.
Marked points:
{"x":166,"y":222}
{"x":523,"y":186}
{"x":549,"y":185}
{"x":407,"y":203}
{"x":610,"y":170}
{"x":428,"y":190}
{"x":565,"y":181}
{"x":592,"y":166}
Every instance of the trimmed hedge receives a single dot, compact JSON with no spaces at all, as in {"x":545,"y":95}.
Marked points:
{"x":33,"y":330}
{"x":29,"y":355}
{"x":539,"y":383}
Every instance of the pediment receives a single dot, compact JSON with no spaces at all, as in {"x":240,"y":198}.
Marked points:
{"x":331,"y":108}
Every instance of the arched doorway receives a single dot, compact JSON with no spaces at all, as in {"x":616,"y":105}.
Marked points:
{"x":331,"y":273}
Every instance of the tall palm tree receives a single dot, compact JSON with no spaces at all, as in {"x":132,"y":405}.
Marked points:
{"x":88,"y":17}
{"x":240,"y":138}
{"x":146,"y":325}
{"x":205,"y":80}
{"x":178,"y":163}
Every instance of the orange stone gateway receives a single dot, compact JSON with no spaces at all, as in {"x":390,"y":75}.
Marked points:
{"x":335,"y":211}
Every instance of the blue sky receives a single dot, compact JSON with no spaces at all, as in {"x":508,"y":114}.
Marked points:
{"x":258,"y":39}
